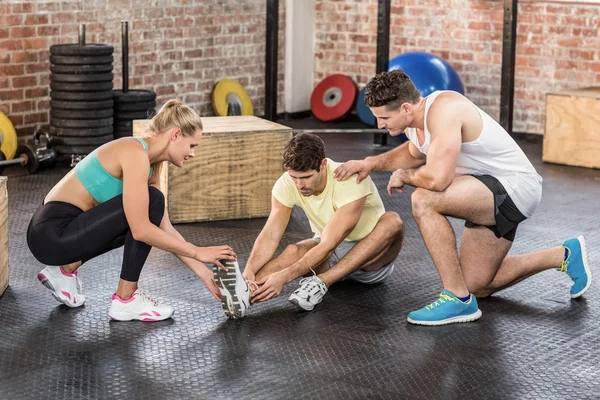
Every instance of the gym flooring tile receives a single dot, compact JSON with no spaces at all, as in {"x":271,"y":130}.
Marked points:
{"x":532,"y":342}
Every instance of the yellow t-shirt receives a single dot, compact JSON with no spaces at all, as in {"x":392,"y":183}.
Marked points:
{"x":319,"y":209}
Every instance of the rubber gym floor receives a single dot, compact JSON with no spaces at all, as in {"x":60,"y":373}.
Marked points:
{"x":532,"y":342}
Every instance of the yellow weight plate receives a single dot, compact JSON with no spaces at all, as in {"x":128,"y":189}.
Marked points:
{"x":8,"y":137}
{"x":229,"y":90}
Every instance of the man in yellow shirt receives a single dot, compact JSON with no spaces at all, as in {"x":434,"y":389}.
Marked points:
{"x":354,"y":238}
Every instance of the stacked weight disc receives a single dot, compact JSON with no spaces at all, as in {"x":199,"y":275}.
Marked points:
{"x":81,"y":105}
{"x":333,"y":98}
{"x":130,"y":105}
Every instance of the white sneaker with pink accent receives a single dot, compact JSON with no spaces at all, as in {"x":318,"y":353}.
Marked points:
{"x":140,"y":306}
{"x":65,"y":287}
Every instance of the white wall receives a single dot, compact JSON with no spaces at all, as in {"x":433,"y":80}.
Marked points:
{"x":299,"y":54}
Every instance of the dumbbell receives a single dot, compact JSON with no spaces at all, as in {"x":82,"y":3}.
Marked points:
{"x":31,"y":158}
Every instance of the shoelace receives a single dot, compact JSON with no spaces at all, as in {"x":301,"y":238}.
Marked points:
{"x":565,"y":264}
{"x":79,"y":285}
{"x":252,"y":283}
{"x":443,"y":298}
{"x":312,"y":283}
{"x":146,"y":298}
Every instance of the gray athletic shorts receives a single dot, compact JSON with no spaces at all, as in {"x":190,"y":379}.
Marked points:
{"x":361,"y":276}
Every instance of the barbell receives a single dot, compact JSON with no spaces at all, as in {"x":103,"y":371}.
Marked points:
{"x":32,"y":158}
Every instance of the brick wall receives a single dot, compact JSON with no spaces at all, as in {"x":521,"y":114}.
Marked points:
{"x":181,"y":48}
{"x":558,"y":46}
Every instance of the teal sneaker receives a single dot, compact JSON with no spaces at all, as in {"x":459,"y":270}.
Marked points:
{"x":447,"y":309}
{"x":577,"y":266}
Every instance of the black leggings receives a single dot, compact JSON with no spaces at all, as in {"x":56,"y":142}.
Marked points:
{"x":60,"y":233}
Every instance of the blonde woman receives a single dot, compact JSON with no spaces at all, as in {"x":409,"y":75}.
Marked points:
{"x":111,"y":199}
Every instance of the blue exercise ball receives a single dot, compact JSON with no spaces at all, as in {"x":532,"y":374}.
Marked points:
{"x":364,"y":112}
{"x":428,"y":72}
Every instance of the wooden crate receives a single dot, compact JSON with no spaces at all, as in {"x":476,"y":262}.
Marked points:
{"x":232,"y":173}
{"x":3,"y":235}
{"x":572,"y":134}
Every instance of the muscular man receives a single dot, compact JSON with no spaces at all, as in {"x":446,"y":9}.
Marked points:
{"x":463,"y":164}
{"x":354,"y":238}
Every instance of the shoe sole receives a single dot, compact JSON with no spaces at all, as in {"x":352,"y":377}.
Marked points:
{"x":453,"y":320}
{"x":132,"y":317}
{"x":226,"y":280}
{"x":296,"y":302}
{"x":61,"y":299}
{"x":586,"y":266}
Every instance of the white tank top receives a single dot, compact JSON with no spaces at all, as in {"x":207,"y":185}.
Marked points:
{"x":493,"y":153}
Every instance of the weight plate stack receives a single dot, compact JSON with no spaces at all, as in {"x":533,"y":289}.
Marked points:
{"x":130,"y":105}
{"x":81,"y":99}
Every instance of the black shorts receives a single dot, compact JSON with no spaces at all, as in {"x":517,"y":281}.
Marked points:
{"x":508,"y":216}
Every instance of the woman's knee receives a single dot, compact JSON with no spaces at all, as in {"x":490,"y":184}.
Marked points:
{"x":156,"y":206}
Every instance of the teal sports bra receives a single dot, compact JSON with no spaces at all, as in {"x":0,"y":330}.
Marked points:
{"x":101,"y":185}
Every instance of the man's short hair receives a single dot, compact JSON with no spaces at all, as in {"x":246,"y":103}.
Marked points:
{"x":304,"y":152}
{"x":391,"y":89}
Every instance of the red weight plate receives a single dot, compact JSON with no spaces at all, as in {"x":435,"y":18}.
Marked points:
{"x":333,"y":97}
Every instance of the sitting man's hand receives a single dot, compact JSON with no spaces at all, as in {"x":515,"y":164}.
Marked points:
{"x":349,"y":168}
{"x":250,"y":277}
{"x":269,"y":287}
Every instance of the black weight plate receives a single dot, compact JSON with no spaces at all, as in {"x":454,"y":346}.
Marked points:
{"x":81,"y":87}
{"x":76,"y":132}
{"x":80,"y":96}
{"x":82,"y":105}
{"x":88,"y":49}
{"x":81,"y":123}
{"x":68,"y":60}
{"x":123,"y":123}
{"x":81,"y":78}
{"x":82,"y":114}
{"x":51,"y":161}
{"x":143,"y":106}
{"x":82,"y":140}
{"x":121,"y":115}
{"x":123,"y":130}
{"x":133,"y":96}
{"x":81,"y":69}
{"x":75,"y":149}
{"x":28,"y":152}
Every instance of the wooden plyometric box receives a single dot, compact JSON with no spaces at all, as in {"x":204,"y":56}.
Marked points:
{"x":231,"y":174}
{"x":572,"y":134}
{"x":3,"y":235}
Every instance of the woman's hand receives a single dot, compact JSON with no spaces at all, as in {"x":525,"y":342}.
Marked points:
{"x":214,"y":254}
{"x":207,"y":277}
